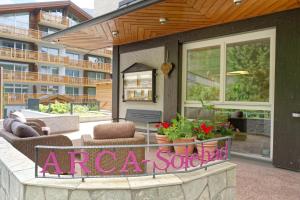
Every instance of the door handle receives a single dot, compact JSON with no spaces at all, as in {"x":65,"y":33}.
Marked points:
{"x":296,"y":115}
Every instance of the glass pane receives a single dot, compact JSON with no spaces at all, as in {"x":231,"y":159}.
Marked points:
{"x":203,"y":74}
{"x":251,"y":129}
{"x":248,"y":71}
{"x":92,"y":91}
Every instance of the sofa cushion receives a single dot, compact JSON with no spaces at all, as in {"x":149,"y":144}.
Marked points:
{"x":22,"y":130}
{"x":18,"y":116}
{"x":114,"y":130}
{"x":7,"y":124}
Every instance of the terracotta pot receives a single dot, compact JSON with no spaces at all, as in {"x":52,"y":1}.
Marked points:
{"x":163,"y":139}
{"x":180,"y":150}
{"x":209,"y":149}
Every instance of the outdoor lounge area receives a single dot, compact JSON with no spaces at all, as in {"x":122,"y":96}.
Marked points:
{"x":201,"y":103}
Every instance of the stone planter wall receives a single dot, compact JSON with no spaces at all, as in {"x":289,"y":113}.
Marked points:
{"x":18,"y":183}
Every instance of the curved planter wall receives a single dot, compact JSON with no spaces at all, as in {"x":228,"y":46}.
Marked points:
{"x":18,"y":183}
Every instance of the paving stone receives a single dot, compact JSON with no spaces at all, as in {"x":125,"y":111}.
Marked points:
{"x":111,"y":195}
{"x":80,"y":195}
{"x":194,"y":188}
{"x":56,"y":194}
{"x":34,"y":193}
{"x":216,"y":184}
{"x":171,"y":193}
{"x":145,"y":194}
{"x":205,"y":194}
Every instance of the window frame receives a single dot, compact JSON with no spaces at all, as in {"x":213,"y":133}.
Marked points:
{"x":223,"y":42}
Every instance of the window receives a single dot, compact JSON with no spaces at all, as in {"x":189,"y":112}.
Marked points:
{"x":18,"y":20}
{"x":14,"y":66}
{"x":203,"y":74}
{"x":72,"y":73}
{"x":73,"y":19}
{"x":16,"y":88}
{"x":57,"y":12}
{"x":96,"y":59}
{"x":91,"y":91}
{"x":96,"y":75}
{"x":234,"y":70}
{"x":72,"y":56}
{"x":51,"y":51}
{"x":47,"y":30}
{"x":49,"y":70}
{"x":73,"y":91}
{"x":236,"y":75}
{"x":14,"y":44}
{"x":49,"y":89}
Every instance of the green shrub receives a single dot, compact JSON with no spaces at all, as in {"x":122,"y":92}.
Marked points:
{"x":59,"y":108}
{"x":43,"y":108}
{"x":80,"y":109}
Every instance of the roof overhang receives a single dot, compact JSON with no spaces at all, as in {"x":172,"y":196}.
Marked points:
{"x":141,"y":21}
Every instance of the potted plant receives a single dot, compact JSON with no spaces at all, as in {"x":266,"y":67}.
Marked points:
{"x":223,"y":129}
{"x":204,"y":131}
{"x":161,"y":136}
{"x":181,"y":132}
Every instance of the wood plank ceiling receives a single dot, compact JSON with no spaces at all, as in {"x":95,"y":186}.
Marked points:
{"x":182,"y":15}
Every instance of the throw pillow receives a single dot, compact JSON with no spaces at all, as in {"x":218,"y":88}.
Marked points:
{"x":18,"y":116}
{"x":7,"y":124}
{"x":22,"y":130}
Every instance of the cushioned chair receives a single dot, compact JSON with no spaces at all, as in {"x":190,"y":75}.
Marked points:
{"x":122,"y":133}
{"x":27,"y":145}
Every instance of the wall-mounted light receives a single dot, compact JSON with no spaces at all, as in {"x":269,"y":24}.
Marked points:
{"x":237,"y":2}
{"x":163,"y":20}
{"x":115,"y":34}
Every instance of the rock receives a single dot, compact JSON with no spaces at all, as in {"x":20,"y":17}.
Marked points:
{"x":231,"y":178}
{"x":34,"y":193}
{"x":111,"y":195}
{"x":205,"y":194}
{"x":194,"y":188}
{"x":80,"y":195}
{"x":145,"y":194}
{"x":216,"y":184}
{"x":56,"y":194}
{"x":171,"y":193}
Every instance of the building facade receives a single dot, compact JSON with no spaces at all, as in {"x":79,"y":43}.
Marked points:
{"x":33,"y":67}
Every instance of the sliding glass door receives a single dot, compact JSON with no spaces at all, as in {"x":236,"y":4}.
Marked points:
{"x":233,"y":75}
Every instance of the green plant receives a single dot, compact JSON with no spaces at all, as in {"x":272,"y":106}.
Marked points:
{"x":43,"y":108}
{"x":59,"y":108}
{"x":80,"y":109}
{"x":180,"y":128}
{"x":162,"y":128}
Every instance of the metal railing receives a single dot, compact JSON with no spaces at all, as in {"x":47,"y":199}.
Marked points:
{"x":150,"y":163}
{"x":40,"y":57}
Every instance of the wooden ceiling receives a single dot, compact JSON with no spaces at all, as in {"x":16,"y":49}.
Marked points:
{"x":182,"y":15}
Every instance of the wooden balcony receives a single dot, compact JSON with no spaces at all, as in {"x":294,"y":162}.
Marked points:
{"x":21,"y":99}
{"x":34,"y":77}
{"x":48,"y":19}
{"x":12,"y":32}
{"x":39,"y":57}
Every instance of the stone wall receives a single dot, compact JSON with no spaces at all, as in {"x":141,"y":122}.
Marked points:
{"x":18,"y":183}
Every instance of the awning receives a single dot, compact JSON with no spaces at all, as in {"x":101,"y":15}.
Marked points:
{"x":150,"y":19}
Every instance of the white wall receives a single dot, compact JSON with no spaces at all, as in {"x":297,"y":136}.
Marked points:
{"x":152,"y":57}
{"x":105,"y":6}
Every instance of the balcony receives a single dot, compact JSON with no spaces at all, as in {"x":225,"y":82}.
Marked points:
{"x":29,"y":35}
{"x":20,"y":99}
{"x":39,"y":57}
{"x":34,"y":77}
{"x":48,"y":19}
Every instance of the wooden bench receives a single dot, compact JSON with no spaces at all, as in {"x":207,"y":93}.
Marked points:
{"x":143,"y":116}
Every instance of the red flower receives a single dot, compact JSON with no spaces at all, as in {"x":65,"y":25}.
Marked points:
{"x":206,"y":129}
{"x":165,"y":124}
{"x":157,"y":125}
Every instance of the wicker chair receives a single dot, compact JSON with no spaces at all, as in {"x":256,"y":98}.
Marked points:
{"x":121,"y":153}
{"x":27,"y":145}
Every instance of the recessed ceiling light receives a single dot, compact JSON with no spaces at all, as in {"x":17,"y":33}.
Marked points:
{"x":237,"y":2}
{"x":115,"y":33}
{"x":163,"y":20}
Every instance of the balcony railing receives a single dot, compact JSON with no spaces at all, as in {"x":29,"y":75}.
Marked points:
{"x":15,"y":99}
{"x":34,"y":77}
{"x":45,"y":17}
{"x":20,"y":32}
{"x":39,"y":57}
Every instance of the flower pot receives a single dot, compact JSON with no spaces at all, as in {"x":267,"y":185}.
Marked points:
{"x":180,"y":150}
{"x":208,"y":148}
{"x":163,"y":139}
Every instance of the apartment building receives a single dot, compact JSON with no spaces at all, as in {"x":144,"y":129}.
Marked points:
{"x":33,"y":67}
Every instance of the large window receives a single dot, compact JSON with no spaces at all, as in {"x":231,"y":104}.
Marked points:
{"x":16,"y":88}
{"x":51,"y":51}
{"x":72,"y":56}
{"x":72,"y":72}
{"x":19,"y":20}
{"x":14,"y":66}
{"x":73,"y":19}
{"x":96,"y":75}
{"x":14,"y":44}
{"x":49,"y":89}
{"x":235,"y":75}
{"x":49,"y":70}
{"x":91,"y":91}
{"x":73,"y":91}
